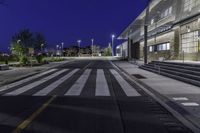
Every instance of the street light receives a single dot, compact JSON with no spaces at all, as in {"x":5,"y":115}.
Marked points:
{"x":18,"y":41}
{"x":42,"y":46}
{"x":113,"y":37}
{"x":57,"y":48}
{"x":92,"y":46}
{"x":62,"y":44}
{"x":79,"y":45}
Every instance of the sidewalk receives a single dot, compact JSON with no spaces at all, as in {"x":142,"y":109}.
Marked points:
{"x":183,"y":95}
{"x":15,"y":74}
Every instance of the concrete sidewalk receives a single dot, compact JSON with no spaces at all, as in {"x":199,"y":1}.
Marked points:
{"x":15,"y":73}
{"x":183,"y":95}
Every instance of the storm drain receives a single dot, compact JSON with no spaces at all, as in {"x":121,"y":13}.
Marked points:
{"x":138,"y":76}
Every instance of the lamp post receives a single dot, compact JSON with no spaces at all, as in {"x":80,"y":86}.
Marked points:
{"x":113,"y":37}
{"x":57,"y":48}
{"x":42,"y":45}
{"x":62,"y":44}
{"x":92,"y":46}
{"x":79,"y":45}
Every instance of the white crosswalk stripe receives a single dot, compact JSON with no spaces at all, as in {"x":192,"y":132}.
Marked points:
{"x":34,"y":84}
{"x":6,"y":87}
{"x":101,"y":89}
{"x":77,"y":88}
{"x":101,"y":84}
{"x":52,"y":86}
{"x":127,"y":88}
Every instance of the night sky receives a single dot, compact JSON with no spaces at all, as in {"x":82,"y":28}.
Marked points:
{"x":68,"y":20}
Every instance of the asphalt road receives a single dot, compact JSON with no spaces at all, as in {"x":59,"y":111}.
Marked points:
{"x":83,"y":96}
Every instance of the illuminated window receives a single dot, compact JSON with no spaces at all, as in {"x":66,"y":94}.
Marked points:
{"x":159,"y":47}
{"x":189,"y":4}
{"x":168,"y":46}
{"x":190,"y":42}
{"x":166,"y":13}
{"x":150,"y":48}
{"x":152,"y":21}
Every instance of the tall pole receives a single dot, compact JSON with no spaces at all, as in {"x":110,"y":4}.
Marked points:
{"x":62,"y":44}
{"x":79,"y":45}
{"x":113,"y":37}
{"x":146,"y":35}
{"x":92,"y":46}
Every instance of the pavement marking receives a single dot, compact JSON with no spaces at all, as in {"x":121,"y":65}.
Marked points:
{"x":127,"y":88}
{"x":77,"y":88}
{"x":180,"y":98}
{"x":6,"y":87}
{"x":190,"y":104}
{"x":52,"y":86}
{"x":30,"y":119}
{"x":34,"y":84}
{"x":102,"y":88}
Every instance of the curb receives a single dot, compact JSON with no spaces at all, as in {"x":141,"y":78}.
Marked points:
{"x":185,"y":121}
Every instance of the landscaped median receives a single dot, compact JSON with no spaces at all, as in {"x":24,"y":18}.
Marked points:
{"x":32,"y":61}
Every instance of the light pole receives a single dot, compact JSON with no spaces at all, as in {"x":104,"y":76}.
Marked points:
{"x":62,"y":44}
{"x":57,"y":48}
{"x":113,"y":37}
{"x":41,"y":46}
{"x":79,"y":45}
{"x":92,"y":46}
{"x":18,"y":42}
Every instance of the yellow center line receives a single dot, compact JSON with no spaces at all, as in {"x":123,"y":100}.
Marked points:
{"x":28,"y":121}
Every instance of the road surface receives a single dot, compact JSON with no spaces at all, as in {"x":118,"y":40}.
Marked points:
{"x":82,"y":96}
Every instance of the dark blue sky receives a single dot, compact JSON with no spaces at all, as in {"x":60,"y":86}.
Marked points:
{"x":68,"y":20}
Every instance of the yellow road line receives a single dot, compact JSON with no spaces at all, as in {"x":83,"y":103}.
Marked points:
{"x":28,"y":121}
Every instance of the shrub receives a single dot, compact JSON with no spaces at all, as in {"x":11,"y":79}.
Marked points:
{"x":39,"y":58}
{"x":24,"y":60}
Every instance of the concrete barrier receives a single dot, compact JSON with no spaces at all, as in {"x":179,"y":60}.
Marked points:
{"x":4,"y":67}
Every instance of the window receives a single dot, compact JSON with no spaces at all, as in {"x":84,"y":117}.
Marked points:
{"x":189,"y":4}
{"x":159,"y":47}
{"x":168,"y":46}
{"x":150,"y":48}
{"x":166,"y":12}
{"x":152,"y":21}
{"x":190,"y":42}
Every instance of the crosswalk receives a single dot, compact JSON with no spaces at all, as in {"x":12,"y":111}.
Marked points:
{"x":49,"y":81}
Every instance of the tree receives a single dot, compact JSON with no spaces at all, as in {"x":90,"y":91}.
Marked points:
{"x":29,"y":40}
{"x":40,"y":42}
{"x":18,"y":49}
{"x":25,"y":37}
{"x":108,"y":51}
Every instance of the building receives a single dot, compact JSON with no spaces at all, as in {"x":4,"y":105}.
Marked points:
{"x":173,"y":31}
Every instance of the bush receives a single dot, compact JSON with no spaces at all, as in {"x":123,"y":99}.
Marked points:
{"x":39,"y":58}
{"x":24,"y":60}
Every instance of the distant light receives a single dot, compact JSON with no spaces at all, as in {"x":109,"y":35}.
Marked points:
{"x":79,"y":41}
{"x":18,"y":41}
{"x":113,"y":36}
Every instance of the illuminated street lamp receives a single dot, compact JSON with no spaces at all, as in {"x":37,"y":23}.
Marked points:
{"x":79,"y":45}
{"x":92,"y":46}
{"x":113,"y":37}
{"x":18,"y":41}
{"x":57,"y":48}
{"x":42,"y":45}
{"x":62,"y":44}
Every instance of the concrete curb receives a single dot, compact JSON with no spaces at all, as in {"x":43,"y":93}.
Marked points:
{"x":188,"y":123}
